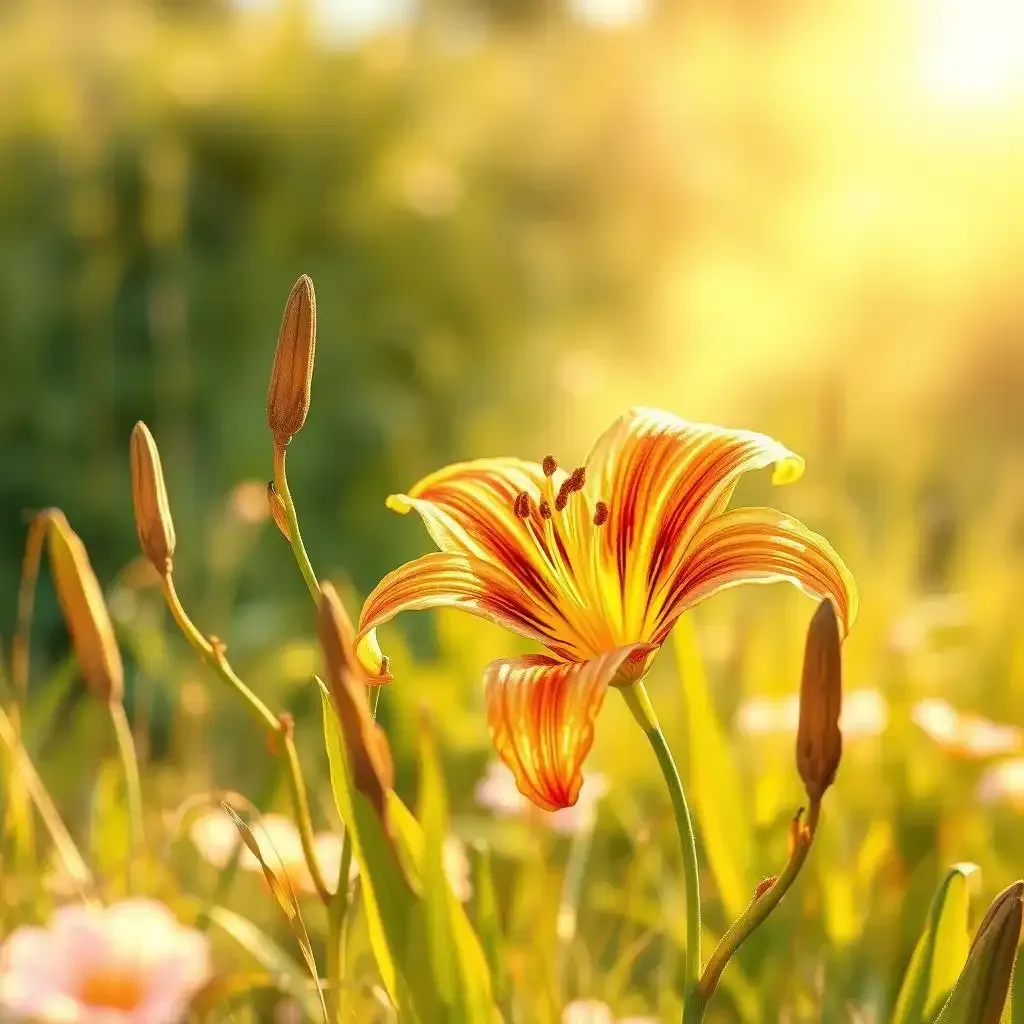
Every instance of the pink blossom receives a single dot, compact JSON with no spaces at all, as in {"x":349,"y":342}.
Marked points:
{"x":130,"y":963}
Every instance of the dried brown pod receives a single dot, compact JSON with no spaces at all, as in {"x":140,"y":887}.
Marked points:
{"x":819,"y":742}
{"x":367,"y":750}
{"x":291,"y":378}
{"x":85,"y":612}
{"x":153,"y":521}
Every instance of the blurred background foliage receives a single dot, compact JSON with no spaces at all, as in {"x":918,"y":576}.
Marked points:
{"x":521,"y":217}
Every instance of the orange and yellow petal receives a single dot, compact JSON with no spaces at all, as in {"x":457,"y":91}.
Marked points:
{"x":442,"y":580}
{"x":471,"y":508}
{"x":541,"y":714}
{"x":758,"y":545}
{"x":662,"y":479}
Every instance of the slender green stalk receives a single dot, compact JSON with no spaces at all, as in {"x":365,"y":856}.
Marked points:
{"x":294,"y":535}
{"x":760,"y":907}
{"x":640,"y":705}
{"x":130,"y":763}
{"x":278,"y":727}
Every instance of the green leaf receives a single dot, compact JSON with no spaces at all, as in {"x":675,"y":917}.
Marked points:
{"x":287,"y":975}
{"x":286,"y":900}
{"x":388,"y":898}
{"x":487,"y":918}
{"x":712,"y":780}
{"x":460,"y":968}
{"x":413,"y":923}
{"x":940,"y":953}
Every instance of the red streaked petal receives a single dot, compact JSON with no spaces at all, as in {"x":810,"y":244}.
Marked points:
{"x":759,"y":545}
{"x":541,"y":715}
{"x":663,"y":478}
{"x":454,"y":581}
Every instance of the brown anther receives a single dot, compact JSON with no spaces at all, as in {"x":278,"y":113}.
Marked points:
{"x":550,"y":465}
{"x":562,"y":498}
{"x":577,"y":479}
{"x":545,"y":510}
{"x":385,"y":665}
{"x":764,"y":885}
{"x":522,"y":505}
{"x":600,"y":514}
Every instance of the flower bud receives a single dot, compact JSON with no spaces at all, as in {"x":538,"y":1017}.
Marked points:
{"x":277,"y":510}
{"x":153,"y":521}
{"x":979,"y":995}
{"x":367,"y":751}
{"x":819,"y":743}
{"x":85,"y":613}
{"x":292,"y":375}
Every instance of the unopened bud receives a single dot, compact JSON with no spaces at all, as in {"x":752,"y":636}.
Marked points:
{"x":153,"y":521}
{"x":277,"y":510}
{"x":819,"y":743}
{"x":292,"y":375}
{"x":980,"y":993}
{"x":367,"y":751}
{"x":85,"y":612}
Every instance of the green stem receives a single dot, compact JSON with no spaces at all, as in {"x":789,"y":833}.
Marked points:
{"x":213,"y":654}
{"x":640,"y":705}
{"x":130,"y":762}
{"x":338,"y":908}
{"x":294,"y":535}
{"x":756,"y":914}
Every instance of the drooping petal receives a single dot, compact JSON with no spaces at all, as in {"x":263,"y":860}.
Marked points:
{"x":541,"y":715}
{"x":453,"y":581}
{"x":758,"y":545}
{"x":662,"y":479}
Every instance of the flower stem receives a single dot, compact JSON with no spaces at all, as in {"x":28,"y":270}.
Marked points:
{"x":640,"y":705}
{"x":130,"y":762}
{"x":298,"y":548}
{"x":761,"y":906}
{"x":277,"y":727}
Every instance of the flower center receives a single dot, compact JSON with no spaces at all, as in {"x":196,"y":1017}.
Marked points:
{"x":575,"y":481}
{"x":111,"y":989}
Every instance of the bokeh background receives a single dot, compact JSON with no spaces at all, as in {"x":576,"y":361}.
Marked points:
{"x":522,"y":216}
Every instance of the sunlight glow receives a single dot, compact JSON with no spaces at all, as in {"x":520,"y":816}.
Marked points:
{"x":972,"y":51}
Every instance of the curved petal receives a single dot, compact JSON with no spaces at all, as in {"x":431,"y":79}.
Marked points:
{"x":470,"y":509}
{"x":443,"y":580}
{"x":758,"y":545}
{"x":541,"y":715}
{"x":662,"y":479}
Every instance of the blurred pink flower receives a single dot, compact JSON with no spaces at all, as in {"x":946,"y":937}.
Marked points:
{"x":1004,"y":781}
{"x":865,"y":713}
{"x":216,"y":838}
{"x":592,"y":1011}
{"x":129,"y":963}
{"x":498,"y":792}
{"x":964,"y":734}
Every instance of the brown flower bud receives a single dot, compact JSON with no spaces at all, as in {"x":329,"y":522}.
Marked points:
{"x":153,"y":521}
{"x":819,"y":743}
{"x":277,"y":510}
{"x":85,"y":613}
{"x":981,"y":991}
{"x":367,"y":751}
{"x":292,"y":375}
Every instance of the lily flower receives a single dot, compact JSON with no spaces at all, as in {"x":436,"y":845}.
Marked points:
{"x":596,"y":564}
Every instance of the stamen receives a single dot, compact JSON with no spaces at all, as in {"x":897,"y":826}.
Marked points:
{"x":577,"y":479}
{"x":550,"y":465}
{"x":600,"y":514}
{"x":562,"y":498}
{"x":522,"y":505}
{"x":545,"y":510}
